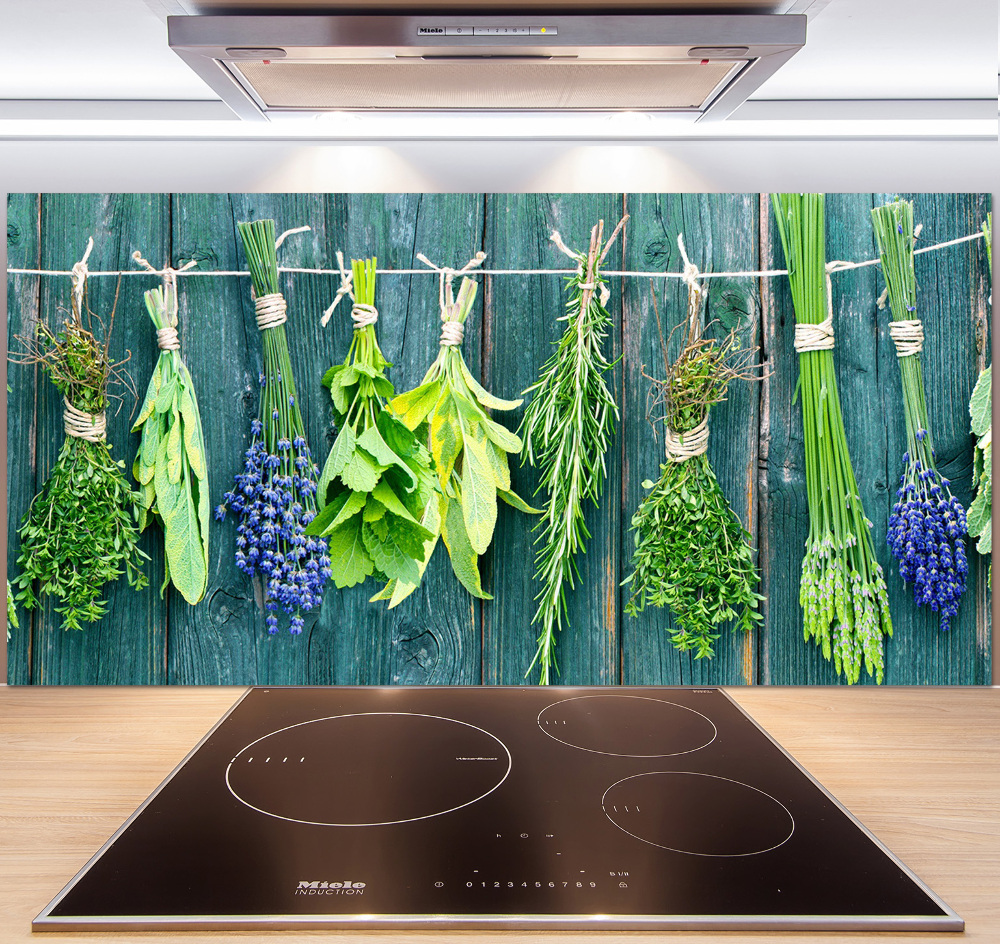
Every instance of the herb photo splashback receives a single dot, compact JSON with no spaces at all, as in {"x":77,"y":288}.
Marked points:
{"x":501,"y":487}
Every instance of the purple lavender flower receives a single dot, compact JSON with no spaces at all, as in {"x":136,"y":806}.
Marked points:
{"x":274,"y":499}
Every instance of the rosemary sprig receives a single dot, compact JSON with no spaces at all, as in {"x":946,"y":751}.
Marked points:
{"x":566,"y":430}
{"x":842,"y":590}
{"x":927,"y":526}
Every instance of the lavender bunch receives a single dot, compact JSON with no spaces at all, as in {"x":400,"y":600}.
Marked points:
{"x":275,"y":495}
{"x":927,"y":526}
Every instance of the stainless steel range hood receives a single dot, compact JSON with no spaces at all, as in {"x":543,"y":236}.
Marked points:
{"x":703,"y":66}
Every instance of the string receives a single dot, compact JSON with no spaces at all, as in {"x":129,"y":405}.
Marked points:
{"x":91,"y":427}
{"x":683,"y":446}
{"x":79,"y":274}
{"x":621,"y":273}
{"x":908,"y":336}
{"x":167,"y":338}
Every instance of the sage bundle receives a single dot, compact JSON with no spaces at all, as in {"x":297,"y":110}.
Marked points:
{"x":275,"y":494}
{"x":692,"y":554}
{"x":980,"y":518}
{"x":377,"y":480}
{"x":927,"y":526}
{"x":566,"y":430}
{"x":468,"y":449}
{"x":842,"y":590}
{"x":170,"y":463}
{"x":79,"y":532}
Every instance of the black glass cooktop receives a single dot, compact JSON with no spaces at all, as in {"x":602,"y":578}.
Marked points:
{"x":492,"y":807}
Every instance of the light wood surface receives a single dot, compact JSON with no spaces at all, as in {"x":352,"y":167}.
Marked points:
{"x":919,"y":767}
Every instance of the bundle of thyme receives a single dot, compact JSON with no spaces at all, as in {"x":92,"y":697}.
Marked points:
{"x":468,"y":450}
{"x":170,"y":464}
{"x":566,"y":430}
{"x":377,"y":480}
{"x":927,"y":526}
{"x":981,"y":411}
{"x":842,"y":590}
{"x":275,"y":495}
{"x":692,"y":554}
{"x":80,"y":531}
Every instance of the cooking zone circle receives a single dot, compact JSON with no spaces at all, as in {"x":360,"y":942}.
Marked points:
{"x":371,"y":769}
{"x":699,"y":814}
{"x":627,"y":726}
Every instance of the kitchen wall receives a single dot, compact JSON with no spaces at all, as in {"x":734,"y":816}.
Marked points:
{"x":721,"y":232}
{"x":683,"y":166}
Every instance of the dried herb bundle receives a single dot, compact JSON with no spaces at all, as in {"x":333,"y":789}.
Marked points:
{"x":691,"y":551}
{"x":80,"y":530}
{"x":377,"y":481}
{"x":275,"y":495}
{"x":566,"y":430}
{"x":170,"y":465}
{"x":842,"y":591}
{"x":927,"y":526}
{"x":468,"y":450}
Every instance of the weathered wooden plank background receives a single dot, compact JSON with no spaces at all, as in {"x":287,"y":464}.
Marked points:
{"x":441,"y":635}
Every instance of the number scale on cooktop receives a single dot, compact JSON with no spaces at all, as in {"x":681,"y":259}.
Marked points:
{"x":492,"y":807}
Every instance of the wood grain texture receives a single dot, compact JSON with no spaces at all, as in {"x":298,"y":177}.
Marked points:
{"x":919,"y":767}
{"x":440,"y":635}
{"x":525,"y":312}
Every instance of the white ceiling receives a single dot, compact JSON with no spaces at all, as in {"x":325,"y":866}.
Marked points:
{"x":857,"y":49}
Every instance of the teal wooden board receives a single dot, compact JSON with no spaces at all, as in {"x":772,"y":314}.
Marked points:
{"x":440,"y":635}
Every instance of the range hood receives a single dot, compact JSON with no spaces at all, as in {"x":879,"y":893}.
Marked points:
{"x":703,"y":66}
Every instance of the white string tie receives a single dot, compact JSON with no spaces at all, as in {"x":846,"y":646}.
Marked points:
{"x":683,"y":446}
{"x":91,"y":427}
{"x":346,"y":288}
{"x":79,"y":273}
{"x":452,"y":333}
{"x":908,"y":335}
{"x":290,"y":232}
{"x":814,"y":337}
{"x":270,"y":310}
{"x":167,"y":339}
{"x":363,"y":315}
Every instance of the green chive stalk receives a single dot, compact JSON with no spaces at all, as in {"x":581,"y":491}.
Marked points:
{"x":842,"y":590}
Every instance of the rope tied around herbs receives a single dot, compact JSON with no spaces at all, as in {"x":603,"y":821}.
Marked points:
{"x":908,"y":336}
{"x":452,"y":333}
{"x":452,"y":330}
{"x":270,"y":310}
{"x":91,"y":427}
{"x":688,"y":444}
{"x":814,"y":337}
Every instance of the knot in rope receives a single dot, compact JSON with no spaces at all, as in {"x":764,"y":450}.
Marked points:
{"x":452,"y":333}
{"x":91,"y":427}
{"x":814,"y":337}
{"x":270,"y":310}
{"x":167,"y":339}
{"x":908,"y":335}
{"x":363,"y":315}
{"x":683,"y":446}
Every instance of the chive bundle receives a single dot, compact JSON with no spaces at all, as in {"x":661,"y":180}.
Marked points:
{"x":842,"y":590}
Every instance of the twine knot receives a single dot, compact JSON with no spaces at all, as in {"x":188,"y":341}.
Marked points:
{"x":908,"y":335}
{"x":452,"y":333}
{"x":167,"y":339}
{"x":814,"y":337}
{"x":89,"y":426}
{"x":363,"y":315}
{"x":270,"y":310}
{"x":686,"y":445}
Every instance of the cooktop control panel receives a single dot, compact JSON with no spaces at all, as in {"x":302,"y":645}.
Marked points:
{"x":492,"y":807}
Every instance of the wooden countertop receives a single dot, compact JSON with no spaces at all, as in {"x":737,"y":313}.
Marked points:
{"x":919,"y":767}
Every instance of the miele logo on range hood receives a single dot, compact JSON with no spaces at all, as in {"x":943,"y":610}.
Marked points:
{"x":702,"y":66}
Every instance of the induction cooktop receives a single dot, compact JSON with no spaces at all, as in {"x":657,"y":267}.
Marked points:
{"x":466,"y":807}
